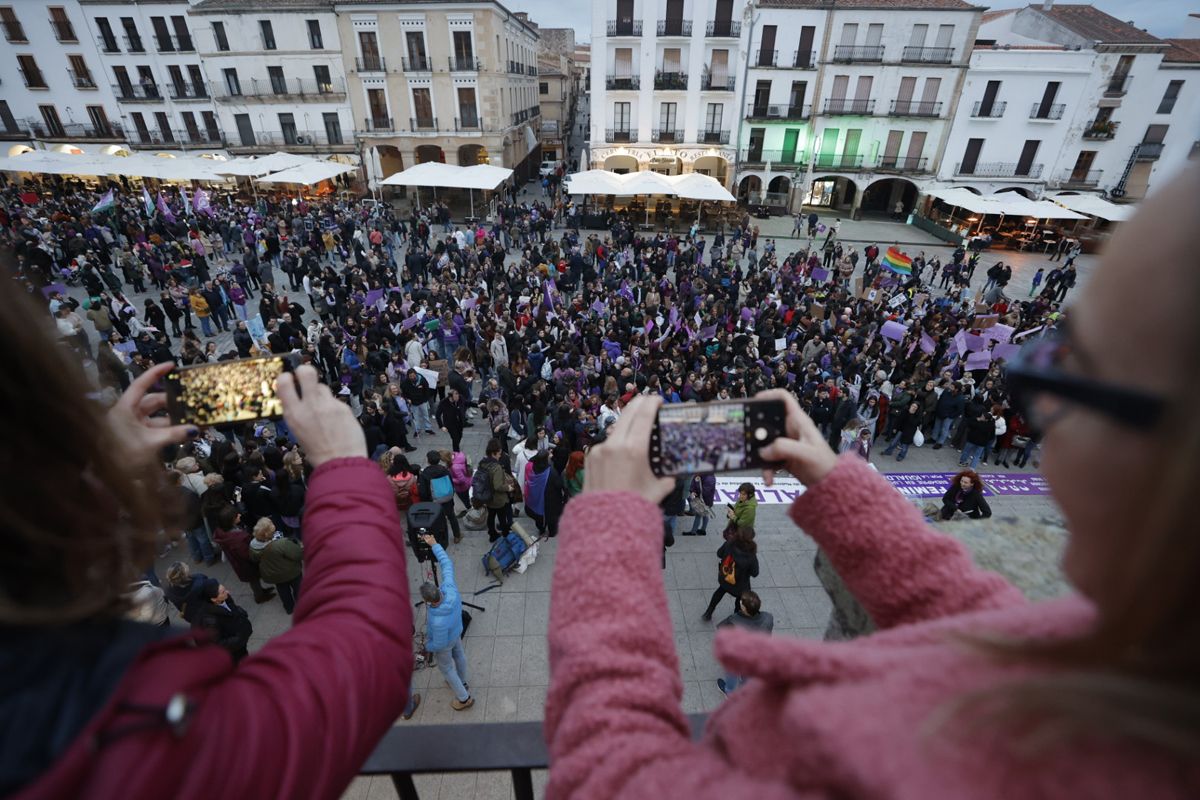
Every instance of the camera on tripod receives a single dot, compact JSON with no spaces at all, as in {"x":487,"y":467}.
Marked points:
{"x":426,"y":519}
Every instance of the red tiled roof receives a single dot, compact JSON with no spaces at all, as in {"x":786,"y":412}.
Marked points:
{"x":1184,"y":51}
{"x":1092,"y":23}
{"x":883,"y":5}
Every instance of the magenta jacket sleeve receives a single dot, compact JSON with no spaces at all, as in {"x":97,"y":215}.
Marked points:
{"x":308,"y":708}
{"x":899,"y":568}
{"x":614,"y":721}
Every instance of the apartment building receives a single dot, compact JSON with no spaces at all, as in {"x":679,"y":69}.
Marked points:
{"x":583,"y":68}
{"x":276,"y":75}
{"x":664,"y":90}
{"x":556,"y":88}
{"x":55,"y":93}
{"x":147,"y":57}
{"x":848,"y":103}
{"x":436,"y":81}
{"x":1068,"y":98}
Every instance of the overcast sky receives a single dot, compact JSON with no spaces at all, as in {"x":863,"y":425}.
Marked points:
{"x":1160,"y":17}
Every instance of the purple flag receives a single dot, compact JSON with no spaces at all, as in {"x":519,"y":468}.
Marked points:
{"x":747,"y":314}
{"x":625,"y":291}
{"x":709,"y":332}
{"x":674,"y":318}
{"x":649,"y":325}
{"x":201,"y":203}
{"x":548,"y":292}
{"x":911,"y":347}
{"x":373,"y":297}
{"x":928,"y":345}
{"x":820,"y":274}
{"x":893,"y":330}
{"x":164,"y":209}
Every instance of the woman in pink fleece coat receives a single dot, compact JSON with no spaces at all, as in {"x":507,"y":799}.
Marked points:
{"x":967,"y":690}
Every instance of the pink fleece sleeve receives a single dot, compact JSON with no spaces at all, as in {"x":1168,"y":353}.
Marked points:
{"x":899,"y":568}
{"x":614,"y":722}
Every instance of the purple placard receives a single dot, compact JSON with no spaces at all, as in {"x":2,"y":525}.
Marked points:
{"x":410,"y":322}
{"x":960,"y":343}
{"x":709,"y":332}
{"x":599,"y":307}
{"x":928,"y":345}
{"x":1006,"y":351}
{"x":893,"y":330}
{"x":820,"y":275}
{"x":747,"y":314}
{"x":980,"y":360}
{"x":999,"y":333}
{"x":373,"y":297}
{"x":975,"y":343}
{"x":933,"y":484}
{"x":468,"y":303}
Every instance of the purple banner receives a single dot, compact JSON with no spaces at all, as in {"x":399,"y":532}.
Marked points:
{"x":934,"y":484}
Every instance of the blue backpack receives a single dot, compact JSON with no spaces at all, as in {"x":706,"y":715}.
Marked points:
{"x":441,"y":489}
{"x":504,"y":555}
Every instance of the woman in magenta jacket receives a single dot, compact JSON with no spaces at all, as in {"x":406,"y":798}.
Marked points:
{"x":96,"y":707}
{"x":966,"y":690}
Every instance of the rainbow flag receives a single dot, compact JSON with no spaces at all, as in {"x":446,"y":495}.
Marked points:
{"x":897,"y":262}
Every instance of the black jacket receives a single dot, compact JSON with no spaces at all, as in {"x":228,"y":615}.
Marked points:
{"x":426,"y":477}
{"x":980,"y":431}
{"x":745,"y":567}
{"x":229,"y":623}
{"x":450,"y":416}
{"x":971,"y":503}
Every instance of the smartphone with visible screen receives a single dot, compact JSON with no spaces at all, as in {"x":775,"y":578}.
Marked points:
{"x":724,"y":436}
{"x":226,"y":391}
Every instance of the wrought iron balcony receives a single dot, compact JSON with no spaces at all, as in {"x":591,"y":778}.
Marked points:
{"x":622,"y":83}
{"x":674,"y":27}
{"x":133,"y":44}
{"x":915,"y":108}
{"x":765,"y":58}
{"x":464,"y":64}
{"x":370,"y":64}
{"x":417,"y":64}
{"x":81,"y":80}
{"x":999,"y":169}
{"x":713,"y":137}
{"x":137,"y":92}
{"x":670,"y":80}
{"x":467,"y":122}
{"x":174,"y":44}
{"x":717,"y":83}
{"x":14,"y":31}
{"x":842,"y":162}
{"x":902,"y":164}
{"x":292,"y":140}
{"x":847,"y":53}
{"x":268,"y":89}
{"x":619,"y":135}
{"x":928,"y":55}
{"x":108,"y":44}
{"x":1047,"y":111}
{"x":724,"y":29}
{"x":993,"y":111}
{"x":188,"y":91}
{"x":379,"y":125}
{"x":1117,"y":85}
{"x":624,"y":27}
{"x":666,"y":135}
{"x":785,"y":159}
{"x":423,"y":124}
{"x":804,"y":59}
{"x":64,"y":31}
{"x":77,"y":131}
{"x":1080,"y":178}
{"x":844,"y":106}
{"x":34,"y":79}
{"x":1149,"y":151}
{"x":756,"y":111}
{"x":1100,"y":130}
{"x":14,"y":129}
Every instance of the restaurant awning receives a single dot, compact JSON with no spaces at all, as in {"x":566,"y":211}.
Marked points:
{"x":307,"y":174}
{"x":1095,"y":206}
{"x":448,"y":176}
{"x":692,"y":186}
{"x":253,"y":167}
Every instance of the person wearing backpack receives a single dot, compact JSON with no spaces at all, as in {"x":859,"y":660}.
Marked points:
{"x":436,"y":486}
{"x":489,"y":487}
{"x":737,"y":563}
{"x":404,"y":483}
{"x":460,"y":476}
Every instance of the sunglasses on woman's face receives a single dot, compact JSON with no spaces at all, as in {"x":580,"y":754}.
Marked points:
{"x":1044,"y":389}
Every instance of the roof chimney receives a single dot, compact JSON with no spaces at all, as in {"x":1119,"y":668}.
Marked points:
{"x":1047,"y":5}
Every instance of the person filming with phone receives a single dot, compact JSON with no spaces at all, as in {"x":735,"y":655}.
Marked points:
{"x":966,"y":690}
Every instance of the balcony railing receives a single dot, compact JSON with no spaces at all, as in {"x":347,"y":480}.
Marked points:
{"x":902,"y":164}
{"x":467,"y":122}
{"x":137,"y":92}
{"x":519,"y":116}
{"x":717,"y":83}
{"x":416,"y":64}
{"x":767,"y":112}
{"x":133,"y":44}
{"x":1051,"y":111}
{"x":378,"y":125}
{"x":34,"y":79}
{"x":858,"y":52}
{"x":666,"y":135}
{"x":172,"y":43}
{"x":370,"y":64}
{"x":674,"y":27}
{"x":624,"y":27}
{"x":155,"y":137}
{"x":81,"y":80}
{"x":843,"y":106}
{"x":781,"y":158}
{"x":713,"y":137}
{"x":188,"y":91}
{"x":108,"y":44}
{"x":928,"y":55}
{"x":1117,"y":85}
{"x":621,"y":83}
{"x":999,"y":169}
{"x":765,"y":58}
{"x":723,"y":29}
{"x":299,"y":140}
{"x":422,"y":123}
{"x":17,"y":130}
{"x":843,"y":162}
{"x":266,"y":89}
{"x":915,"y":108}
{"x":535,"y":111}
{"x":1149,"y":151}
{"x":994,"y":111}
{"x":199,"y":138}
{"x":516,"y":68}
{"x":464,"y":64}
{"x":804,"y":59}
{"x":670,"y":80}
{"x":1099,"y":131}
{"x":64,"y":31}
{"x":1077,"y":178}
{"x":41,"y":130}
{"x":14,"y":31}
{"x":618,"y":135}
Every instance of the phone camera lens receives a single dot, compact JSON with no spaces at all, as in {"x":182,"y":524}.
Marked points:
{"x":760,"y":434}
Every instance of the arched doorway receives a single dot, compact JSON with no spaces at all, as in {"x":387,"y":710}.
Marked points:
{"x":621,"y":164}
{"x":714,"y":167}
{"x":471,"y":154}
{"x":430,"y":152}
{"x":749,"y":189}
{"x":882,"y":195}
{"x":778,"y":190}
{"x":831,"y":191}
{"x":390,"y":160}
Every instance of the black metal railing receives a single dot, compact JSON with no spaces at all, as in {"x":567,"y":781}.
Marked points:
{"x":73,"y":130}
{"x":34,"y":79}
{"x":1149,"y":151}
{"x":279,"y":88}
{"x":467,"y":122}
{"x":379,"y":125}
{"x":297,"y":140}
{"x":464,"y":64}
{"x":172,"y":43}
{"x":618,"y":135}
{"x":1047,"y":110}
{"x":535,"y":111}
{"x":666,"y":135}
{"x":416,"y":64}
{"x":717,"y":83}
{"x":858,"y":52}
{"x":670,"y":80}
{"x":519,"y":116}
{"x":134,"y":44}
{"x":81,"y":80}
{"x":804,"y":59}
{"x":137,"y":92}
{"x":422,"y":123}
{"x":108,"y":44}
{"x":782,"y":158}
{"x":198,"y":138}
{"x":64,"y":31}
{"x":999,"y":169}
{"x":188,"y":91}
{"x":928,"y":55}
{"x":993,"y":111}
{"x":674,"y":27}
{"x":1117,"y":85}
{"x":758,"y":111}
{"x":14,"y":31}
{"x":844,"y":162}
{"x":713,"y":137}
{"x":1081,"y":177}
{"x":765,"y":58}
{"x":845,"y":106}
{"x":370,"y":64}
{"x":915,"y":108}
{"x":624,"y":27}
{"x":620,"y":83}
{"x":1101,"y":129}
{"x":16,"y":130}
{"x":723,"y":29}
{"x":902,"y":164}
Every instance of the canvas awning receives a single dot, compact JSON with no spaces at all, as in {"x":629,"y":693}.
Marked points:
{"x":966,"y":199}
{"x":307,"y":174}
{"x":1095,"y":206}
{"x":437,"y":175}
{"x":180,"y":168}
{"x":692,"y":186}
{"x":253,"y":167}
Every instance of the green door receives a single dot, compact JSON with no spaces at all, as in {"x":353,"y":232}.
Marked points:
{"x":790,"y":137}
{"x":828,"y":147}
{"x":850,"y":151}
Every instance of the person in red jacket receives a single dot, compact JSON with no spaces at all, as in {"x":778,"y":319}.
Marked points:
{"x":96,"y":706}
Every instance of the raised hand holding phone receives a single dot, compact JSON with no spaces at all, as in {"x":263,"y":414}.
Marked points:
{"x":804,"y":451}
{"x":324,"y":426}
{"x":622,"y":462}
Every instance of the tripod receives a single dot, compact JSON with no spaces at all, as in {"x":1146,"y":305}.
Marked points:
{"x":433,"y":575}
